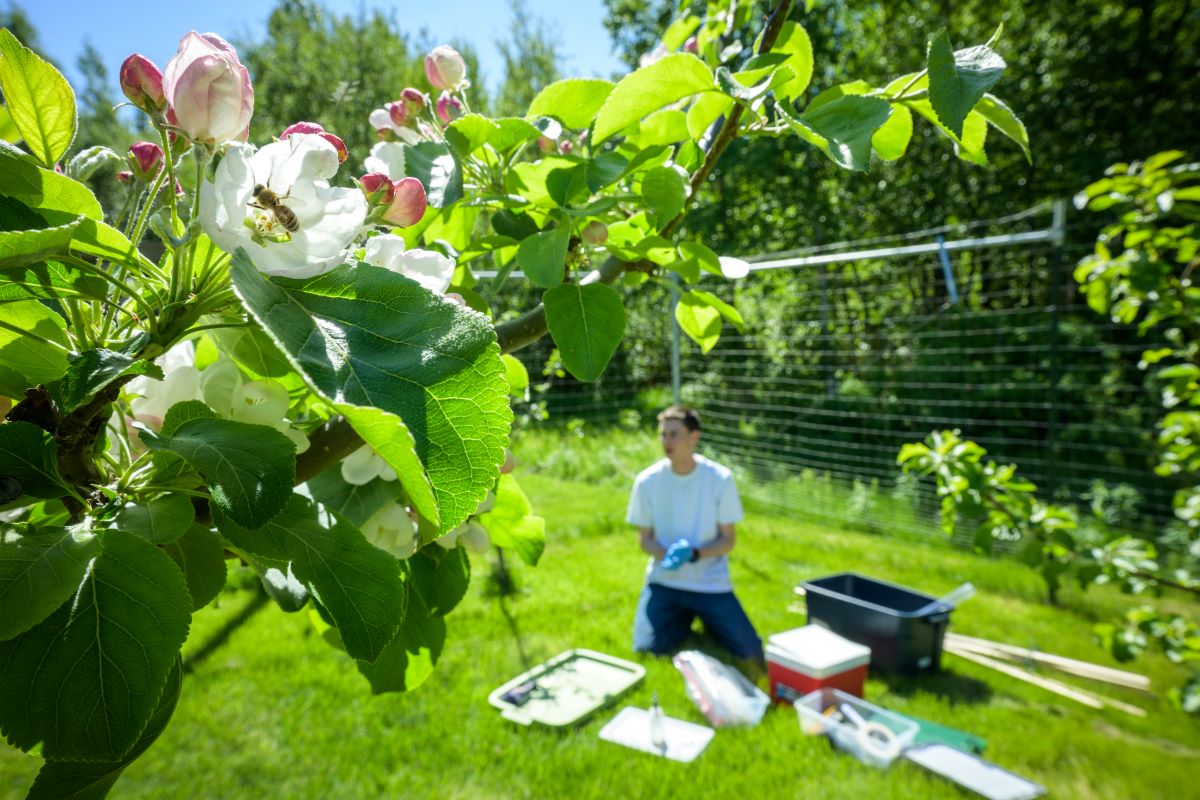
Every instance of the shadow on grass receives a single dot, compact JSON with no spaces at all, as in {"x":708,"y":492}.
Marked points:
{"x":948,"y":685}
{"x":222,"y":634}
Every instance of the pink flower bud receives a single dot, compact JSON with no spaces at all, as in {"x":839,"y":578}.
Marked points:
{"x":691,"y":46}
{"x":145,"y":158}
{"x":595,"y":232}
{"x":449,"y":108}
{"x":378,"y":187}
{"x":142,"y":83}
{"x":408,"y":205}
{"x":414,"y":100}
{"x":565,"y":146}
{"x":445,"y":68}
{"x":124,"y":176}
{"x":312,"y":127}
{"x":209,"y":90}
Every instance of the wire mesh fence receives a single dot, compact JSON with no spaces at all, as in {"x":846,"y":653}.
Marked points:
{"x":851,"y":350}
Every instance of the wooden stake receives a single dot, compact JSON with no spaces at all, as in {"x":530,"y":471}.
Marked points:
{"x":1083,"y":669}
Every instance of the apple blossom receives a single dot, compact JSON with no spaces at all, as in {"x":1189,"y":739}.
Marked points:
{"x":391,"y":529}
{"x":142,"y":83}
{"x":181,"y":381}
{"x":449,"y":108}
{"x":386,"y":158}
{"x":427,"y":267}
{"x":445,"y":68}
{"x":365,"y":465}
{"x":381,"y":120}
{"x":145,"y":159}
{"x":312,"y":127}
{"x":408,"y":204}
{"x":208,"y":90}
{"x":298,"y":172}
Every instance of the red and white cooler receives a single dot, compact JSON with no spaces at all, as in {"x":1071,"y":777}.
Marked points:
{"x":806,"y":659}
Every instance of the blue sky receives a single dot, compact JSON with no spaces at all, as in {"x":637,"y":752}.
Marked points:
{"x":118,"y":29}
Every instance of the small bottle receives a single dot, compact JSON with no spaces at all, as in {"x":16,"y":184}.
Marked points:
{"x":658,"y":735}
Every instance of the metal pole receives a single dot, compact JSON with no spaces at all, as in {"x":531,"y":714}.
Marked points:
{"x":947,"y":270}
{"x":676,"y":379}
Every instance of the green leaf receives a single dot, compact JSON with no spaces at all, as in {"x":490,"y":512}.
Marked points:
{"x":970,"y":147}
{"x":357,"y":583}
{"x":511,"y":522}
{"x":159,"y":521}
{"x":573,"y":102}
{"x":45,"y":189}
{"x":665,"y":126}
{"x":51,"y":279}
{"x":859,"y":87}
{"x":29,"y":455}
{"x":605,"y":169}
{"x":566,"y":185}
{"x":364,"y":336}
{"x":512,"y":131}
{"x":250,"y":469}
{"x":86,"y":680}
{"x":515,"y":375}
{"x":200,"y":555}
{"x":727,"y":311}
{"x":648,"y":89}
{"x":892,"y":138}
{"x":184,"y":412}
{"x":705,"y":257}
{"x":469,"y":133}
{"x":699,"y":320}
{"x":842,"y":128}
{"x":543,"y":256}
{"x":438,"y":170}
{"x":440,"y":577}
{"x":530,"y":179}
{"x":705,"y":111}
{"x":794,"y":41}
{"x":84,"y":164}
{"x":92,"y":370}
{"x":387,"y":434}
{"x":957,"y":80}
{"x":24,"y":361}
{"x":22,"y":248}
{"x":1002,"y":118}
{"x":8,"y":128}
{"x":587,"y":323}
{"x":665,"y":191}
{"x":92,"y":780}
{"x":38,"y":98}
{"x":38,"y":572}
{"x":410,"y":657}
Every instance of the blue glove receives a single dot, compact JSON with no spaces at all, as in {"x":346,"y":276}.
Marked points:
{"x":677,"y":555}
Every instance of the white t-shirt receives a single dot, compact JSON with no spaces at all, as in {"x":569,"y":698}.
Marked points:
{"x":686,"y":507}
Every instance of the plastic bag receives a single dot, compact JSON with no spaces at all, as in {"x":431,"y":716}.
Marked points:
{"x":723,"y":695}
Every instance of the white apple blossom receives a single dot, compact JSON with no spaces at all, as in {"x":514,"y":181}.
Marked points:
{"x":381,"y":120}
{"x":181,"y":381}
{"x":297,"y":170}
{"x":365,"y":465}
{"x":391,"y":529}
{"x":387,"y":158}
{"x":471,"y":535}
{"x":427,"y":267}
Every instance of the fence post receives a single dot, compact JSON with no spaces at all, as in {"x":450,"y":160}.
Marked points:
{"x":1058,"y":227}
{"x":676,"y":378}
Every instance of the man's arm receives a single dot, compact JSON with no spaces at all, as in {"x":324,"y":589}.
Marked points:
{"x":726,"y":538}
{"x":650,"y":544}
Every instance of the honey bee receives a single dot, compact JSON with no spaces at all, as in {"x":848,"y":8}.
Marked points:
{"x":272,"y":202}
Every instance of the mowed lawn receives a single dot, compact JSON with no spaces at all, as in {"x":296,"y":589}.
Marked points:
{"x":273,"y":712}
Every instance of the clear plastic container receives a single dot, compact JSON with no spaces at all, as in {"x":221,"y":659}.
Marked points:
{"x":871,"y":734}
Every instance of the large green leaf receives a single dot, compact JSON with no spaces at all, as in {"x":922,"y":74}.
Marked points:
{"x":543,"y":256}
{"x":21,"y":248}
{"x":24,"y":361}
{"x":410,"y":657}
{"x":92,"y":780}
{"x":665,"y":126}
{"x":8,"y":129}
{"x":587,"y":323}
{"x":968,"y":147}
{"x":201,"y":557}
{"x":356,"y":502}
{"x":90,"y":371}
{"x":467,"y":134}
{"x":892,"y":138}
{"x":250,"y":469}
{"x":648,"y":89}
{"x":159,"y":521}
{"x":86,"y":680}
{"x":29,"y":456}
{"x":357,"y":583}
{"x":435,"y":165}
{"x":699,"y":320}
{"x":731,"y":314}
{"x":390,"y":438}
{"x":439,"y":576}
{"x":574,"y":102}
{"x":38,"y":572}
{"x":957,"y":80}
{"x":1001,"y":117}
{"x":512,"y":523}
{"x":842,"y":128}
{"x":364,"y":336}
{"x":51,"y":279}
{"x":705,"y":111}
{"x":45,"y":189}
{"x":665,"y":191}
{"x":39,"y":99}
{"x":793,"y":40}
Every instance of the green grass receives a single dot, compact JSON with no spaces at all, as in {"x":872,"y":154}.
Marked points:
{"x":274,"y":712}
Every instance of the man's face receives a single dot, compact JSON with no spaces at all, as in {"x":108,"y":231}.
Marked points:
{"x":677,"y":440}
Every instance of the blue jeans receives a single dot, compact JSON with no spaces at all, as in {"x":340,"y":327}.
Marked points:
{"x":664,"y":619}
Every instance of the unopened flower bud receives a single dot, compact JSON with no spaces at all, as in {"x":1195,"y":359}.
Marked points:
{"x":145,"y":159}
{"x":595,"y":232}
{"x":565,"y":146}
{"x":445,"y":68}
{"x":413,"y":99}
{"x":142,"y":83}
{"x":378,"y":187}
{"x":124,"y":176}
{"x":408,"y":204}
{"x":209,"y":89}
{"x":312,"y":127}
{"x":691,"y":46}
{"x":449,"y":108}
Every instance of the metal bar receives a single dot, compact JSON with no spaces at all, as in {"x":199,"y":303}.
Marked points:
{"x":944,"y":257}
{"x":1003,"y":240}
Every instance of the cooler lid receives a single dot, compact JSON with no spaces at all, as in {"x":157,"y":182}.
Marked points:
{"x":816,"y":651}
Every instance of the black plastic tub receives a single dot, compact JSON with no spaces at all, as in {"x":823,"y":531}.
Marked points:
{"x":903,"y":628}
